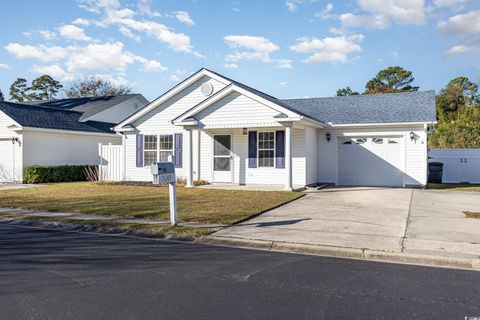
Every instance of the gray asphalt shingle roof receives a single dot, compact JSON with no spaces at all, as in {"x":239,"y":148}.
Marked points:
{"x":51,"y":118}
{"x":87,"y":106}
{"x":362,"y":109}
{"x":374,"y":108}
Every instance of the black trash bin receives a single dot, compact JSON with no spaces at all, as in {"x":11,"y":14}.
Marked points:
{"x":435,"y":171}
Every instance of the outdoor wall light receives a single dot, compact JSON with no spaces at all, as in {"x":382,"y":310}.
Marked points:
{"x":15,"y":140}
{"x":413,"y":136}
{"x":245,"y":131}
{"x":328,"y":136}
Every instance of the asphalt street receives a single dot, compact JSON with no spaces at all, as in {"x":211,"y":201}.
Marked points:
{"x":48,"y":274}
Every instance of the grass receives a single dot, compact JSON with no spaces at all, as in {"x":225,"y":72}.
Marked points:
{"x":455,"y":186}
{"x":164,"y":229}
{"x":471,"y":214}
{"x":194,"y":204}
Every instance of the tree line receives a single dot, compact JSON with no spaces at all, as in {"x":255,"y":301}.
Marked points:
{"x":47,"y":88}
{"x":457,"y":104}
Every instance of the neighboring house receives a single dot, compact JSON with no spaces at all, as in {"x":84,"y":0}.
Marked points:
{"x":58,"y":132}
{"x":222,"y":131}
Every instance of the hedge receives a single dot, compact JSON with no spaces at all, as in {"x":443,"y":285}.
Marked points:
{"x":45,"y":174}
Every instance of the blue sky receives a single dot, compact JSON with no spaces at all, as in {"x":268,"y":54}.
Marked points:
{"x":295,"y":48}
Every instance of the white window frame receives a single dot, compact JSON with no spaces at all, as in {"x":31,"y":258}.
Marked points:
{"x":157,"y":150}
{"x":145,"y":164}
{"x":274,"y":149}
{"x":165,"y":150}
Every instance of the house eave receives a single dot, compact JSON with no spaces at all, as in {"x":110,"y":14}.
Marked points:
{"x":60,"y":131}
{"x":385,"y":124}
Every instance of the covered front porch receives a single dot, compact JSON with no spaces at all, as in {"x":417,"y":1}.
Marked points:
{"x":255,"y":156}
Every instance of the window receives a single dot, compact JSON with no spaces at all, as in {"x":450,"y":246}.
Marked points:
{"x":266,"y":149}
{"x":166,"y":147}
{"x":150,"y":149}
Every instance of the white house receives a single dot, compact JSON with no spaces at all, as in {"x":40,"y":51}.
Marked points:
{"x":58,"y":132}
{"x":222,"y":131}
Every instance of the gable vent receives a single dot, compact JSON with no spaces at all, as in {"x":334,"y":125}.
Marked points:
{"x":206,"y":89}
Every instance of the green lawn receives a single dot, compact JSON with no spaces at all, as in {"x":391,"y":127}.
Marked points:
{"x":194,"y":204}
{"x":455,"y":186}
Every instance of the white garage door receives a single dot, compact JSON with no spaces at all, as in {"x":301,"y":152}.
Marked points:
{"x":6,"y":161}
{"x":370,"y":161}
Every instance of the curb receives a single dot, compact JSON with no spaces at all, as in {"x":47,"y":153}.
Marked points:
{"x":68,"y":226}
{"x":341,"y":252}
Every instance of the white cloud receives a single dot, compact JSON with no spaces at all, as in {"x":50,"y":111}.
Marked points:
{"x":115,"y":80}
{"x":149,"y":65}
{"x":453,"y":4}
{"x":250,"y":48}
{"x":394,"y":54}
{"x":466,"y":27}
{"x":459,"y":49}
{"x":72,"y":32}
{"x":282,"y":83}
{"x":330,"y":49}
{"x":81,"y":22}
{"x":463,"y":25}
{"x":325,"y":13}
{"x":40,"y":52}
{"x":230,"y":66}
{"x":365,"y":21}
{"x":129,"y":34}
{"x":145,"y":9}
{"x":74,"y":60}
{"x":284,"y":64}
{"x":53,"y":70}
{"x":4,"y":66}
{"x":177,"y":75}
{"x":382,"y":12}
{"x":184,"y":17}
{"x":47,"y":34}
{"x":291,"y":6}
{"x":113,"y":14}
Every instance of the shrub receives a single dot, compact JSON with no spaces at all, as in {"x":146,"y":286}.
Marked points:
{"x":46,"y":174}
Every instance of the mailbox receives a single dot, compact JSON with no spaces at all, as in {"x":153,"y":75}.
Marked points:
{"x":163,"y":172}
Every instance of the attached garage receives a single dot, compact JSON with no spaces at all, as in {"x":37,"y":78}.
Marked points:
{"x":6,"y":160}
{"x":371,"y":161}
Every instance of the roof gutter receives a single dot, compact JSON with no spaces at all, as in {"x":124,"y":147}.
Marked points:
{"x":398,"y":124}
{"x":85,"y":133}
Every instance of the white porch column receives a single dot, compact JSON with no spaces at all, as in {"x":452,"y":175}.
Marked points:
{"x":288,"y":158}
{"x":190,"y":159}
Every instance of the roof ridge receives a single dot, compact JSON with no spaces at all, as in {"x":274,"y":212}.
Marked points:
{"x":108,"y":96}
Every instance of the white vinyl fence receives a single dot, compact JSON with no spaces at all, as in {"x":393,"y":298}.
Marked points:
{"x":459,"y":165}
{"x":111,"y":162}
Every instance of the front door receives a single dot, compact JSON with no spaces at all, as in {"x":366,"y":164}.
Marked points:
{"x":222,"y":158}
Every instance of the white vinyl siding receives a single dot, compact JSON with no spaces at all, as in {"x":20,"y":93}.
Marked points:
{"x":236,"y":110}
{"x":158,"y":121}
{"x":11,"y":162}
{"x":62,"y":148}
{"x":414,"y":157}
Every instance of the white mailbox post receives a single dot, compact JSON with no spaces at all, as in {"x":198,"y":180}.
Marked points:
{"x":164,"y":172}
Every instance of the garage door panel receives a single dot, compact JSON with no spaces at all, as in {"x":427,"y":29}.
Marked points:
{"x":368,"y":161}
{"x":6,"y":161}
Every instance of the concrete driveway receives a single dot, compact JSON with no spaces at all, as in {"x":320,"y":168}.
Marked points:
{"x":386,"y":219}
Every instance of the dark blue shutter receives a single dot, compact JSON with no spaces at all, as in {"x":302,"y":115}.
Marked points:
{"x":252,"y":149}
{"x":178,"y":150}
{"x":139,"y":149}
{"x":280,"y":149}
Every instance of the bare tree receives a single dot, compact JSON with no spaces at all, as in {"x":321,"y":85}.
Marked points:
{"x":95,"y":87}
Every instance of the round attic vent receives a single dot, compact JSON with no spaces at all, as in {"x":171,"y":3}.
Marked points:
{"x":206,"y":89}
